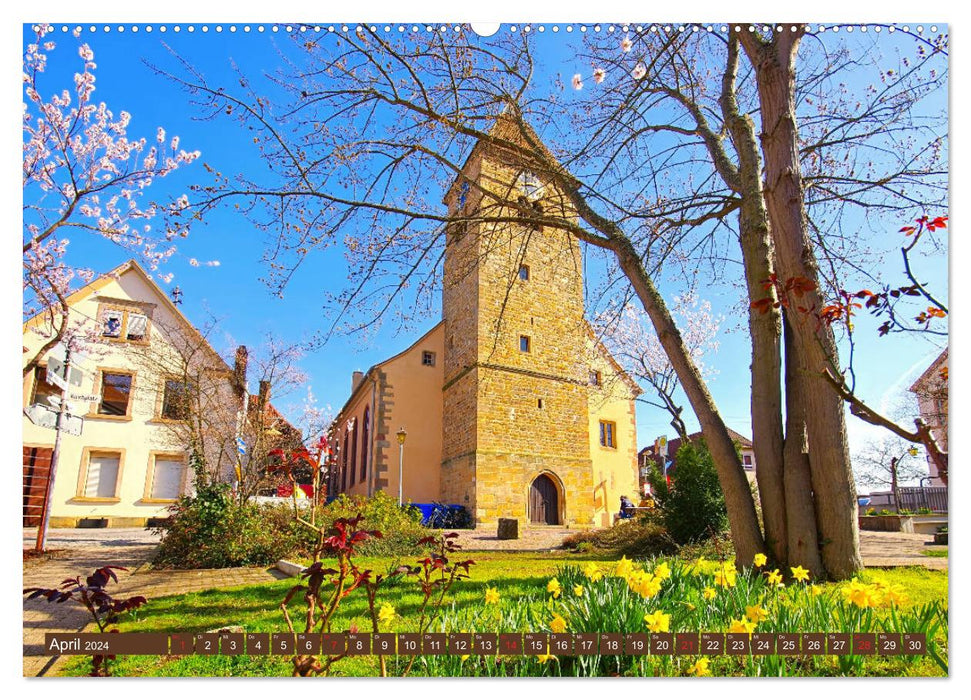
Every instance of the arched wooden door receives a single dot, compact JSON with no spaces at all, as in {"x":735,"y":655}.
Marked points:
{"x":544,"y":501}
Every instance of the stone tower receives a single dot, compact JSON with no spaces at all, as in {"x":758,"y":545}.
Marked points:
{"x":516,"y":439}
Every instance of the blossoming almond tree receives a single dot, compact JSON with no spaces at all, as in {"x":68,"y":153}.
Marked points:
{"x":83,"y":173}
{"x":628,"y":334}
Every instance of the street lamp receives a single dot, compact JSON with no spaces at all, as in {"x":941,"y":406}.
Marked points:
{"x":401,"y":463}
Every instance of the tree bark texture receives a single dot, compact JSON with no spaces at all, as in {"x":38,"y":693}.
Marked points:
{"x":832,"y":478}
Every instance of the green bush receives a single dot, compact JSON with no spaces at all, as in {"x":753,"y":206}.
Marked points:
{"x":693,"y":506}
{"x":400,"y":526}
{"x":210,"y":530}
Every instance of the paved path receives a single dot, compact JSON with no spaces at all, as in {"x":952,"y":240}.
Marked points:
{"x":899,"y":549}
{"x":80,"y":552}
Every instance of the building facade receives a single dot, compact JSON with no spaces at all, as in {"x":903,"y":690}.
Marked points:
{"x":931,"y":389}
{"x":137,"y":391}
{"x":665,"y":452}
{"x":511,"y":407}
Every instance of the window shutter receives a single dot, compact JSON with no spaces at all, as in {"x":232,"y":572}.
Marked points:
{"x":167,"y":480}
{"x":102,"y":476}
{"x":137,"y":326}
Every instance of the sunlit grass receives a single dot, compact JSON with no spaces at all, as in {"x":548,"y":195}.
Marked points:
{"x":525,"y":605}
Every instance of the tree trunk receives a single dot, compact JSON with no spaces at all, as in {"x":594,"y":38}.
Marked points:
{"x":832,"y":478}
{"x":764,"y":326}
{"x":742,"y":518}
{"x":803,"y":540}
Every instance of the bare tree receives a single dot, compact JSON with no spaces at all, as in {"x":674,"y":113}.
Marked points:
{"x":377,"y":126}
{"x":888,"y":463}
{"x":203,"y":407}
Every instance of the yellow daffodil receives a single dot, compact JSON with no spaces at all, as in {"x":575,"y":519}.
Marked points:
{"x":756,"y":613}
{"x":725,"y":578}
{"x":861,"y":594}
{"x":662,"y":571}
{"x":644,"y":584}
{"x":689,"y":606}
{"x":578,"y":590}
{"x":775,"y":578}
{"x":543,"y":658}
{"x":743,"y":626}
{"x":894,"y":595}
{"x":464,"y":657}
{"x":700,"y":667}
{"x":799,"y":573}
{"x":658,"y":621}
{"x":624,"y":567}
{"x":553,"y":587}
{"x":558,"y":624}
{"x":386,"y":613}
{"x":709,"y":593}
{"x":759,"y":559}
{"x":491,"y":596}
{"x":815,"y":590}
{"x":593,"y":572}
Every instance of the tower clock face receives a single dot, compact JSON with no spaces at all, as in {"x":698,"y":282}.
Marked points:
{"x":530,"y":185}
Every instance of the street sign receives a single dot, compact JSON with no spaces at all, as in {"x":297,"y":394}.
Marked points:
{"x":83,"y":398}
{"x":59,"y":352}
{"x":46,"y":417}
{"x":56,"y":374}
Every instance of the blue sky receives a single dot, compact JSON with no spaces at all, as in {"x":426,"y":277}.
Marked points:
{"x":248,"y":310}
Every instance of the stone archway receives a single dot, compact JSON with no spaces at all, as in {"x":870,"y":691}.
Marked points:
{"x":545,"y":498}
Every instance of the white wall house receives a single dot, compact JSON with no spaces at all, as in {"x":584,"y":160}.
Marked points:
{"x":130,"y":461}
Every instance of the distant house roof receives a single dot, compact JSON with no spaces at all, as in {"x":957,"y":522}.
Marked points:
{"x":931,"y":378}
{"x":675,"y":444}
{"x":272,"y":418}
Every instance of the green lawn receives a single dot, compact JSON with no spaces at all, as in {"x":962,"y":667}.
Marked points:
{"x":516,"y":576}
{"x":942,"y":553}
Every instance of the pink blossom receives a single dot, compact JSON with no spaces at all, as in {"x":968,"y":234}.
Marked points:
{"x":626,"y":44}
{"x":577,"y":82}
{"x":640,"y":70}
{"x":598,"y":75}
{"x":109,"y":174}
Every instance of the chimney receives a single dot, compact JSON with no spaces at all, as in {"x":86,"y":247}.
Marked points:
{"x":264,"y":397}
{"x":356,"y":380}
{"x":239,"y":370}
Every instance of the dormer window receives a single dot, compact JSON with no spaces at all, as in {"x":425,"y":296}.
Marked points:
{"x":124,"y":324}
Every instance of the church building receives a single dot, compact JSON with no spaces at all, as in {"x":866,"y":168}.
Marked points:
{"x":510,"y":406}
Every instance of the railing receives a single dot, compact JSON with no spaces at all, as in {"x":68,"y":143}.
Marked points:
{"x":913,"y":498}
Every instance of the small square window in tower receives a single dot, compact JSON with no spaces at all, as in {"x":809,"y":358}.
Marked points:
{"x":524,"y":343}
{"x":524,"y":272}
{"x":428,"y":358}
{"x":608,"y":430}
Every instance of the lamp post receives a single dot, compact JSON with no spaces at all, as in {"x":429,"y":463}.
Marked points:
{"x":401,"y":464}
{"x":894,"y":466}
